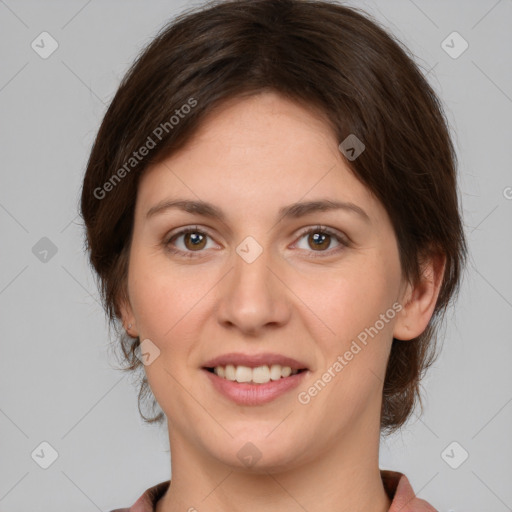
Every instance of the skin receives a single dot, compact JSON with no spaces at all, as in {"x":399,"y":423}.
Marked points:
{"x":251,"y":157}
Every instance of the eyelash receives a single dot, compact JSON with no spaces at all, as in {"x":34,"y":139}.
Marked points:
{"x":315,"y":229}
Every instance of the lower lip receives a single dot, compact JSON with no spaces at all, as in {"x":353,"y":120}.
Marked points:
{"x":244,"y":393}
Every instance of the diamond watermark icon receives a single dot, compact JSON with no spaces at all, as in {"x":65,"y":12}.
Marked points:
{"x":147,"y":352}
{"x":44,"y":455}
{"x":249,"y":454}
{"x":454,"y":45}
{"x":454,"y":455}
{"x":44,"y":250}
{"x":352,"y":147}
{"x":44,"y":45}
{"x":249,"y":249}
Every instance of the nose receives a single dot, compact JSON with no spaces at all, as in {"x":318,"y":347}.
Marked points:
{"x":253,"y":296}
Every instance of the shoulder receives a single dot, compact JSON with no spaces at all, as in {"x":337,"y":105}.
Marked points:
{"x":402,"y":494}
{"x":147,"y":501}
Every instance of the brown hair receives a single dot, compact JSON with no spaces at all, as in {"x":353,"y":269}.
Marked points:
{"x":325,"y":56}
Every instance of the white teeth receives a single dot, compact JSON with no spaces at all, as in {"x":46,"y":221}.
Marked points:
{"x":230,"y":372}
{"x":275,"y":372}
{"x":261,"y":374}
{"x":286,"y":371}
{"x":243,"y":374}
{"x":258,"y":375}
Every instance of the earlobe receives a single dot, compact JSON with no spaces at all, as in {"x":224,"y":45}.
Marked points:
{"x":128,"y":318}
{"x":420,"y":299}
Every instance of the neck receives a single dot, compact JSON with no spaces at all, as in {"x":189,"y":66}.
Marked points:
{"x":345,"y":477}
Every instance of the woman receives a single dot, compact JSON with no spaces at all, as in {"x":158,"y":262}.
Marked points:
{"x":271,"y":210}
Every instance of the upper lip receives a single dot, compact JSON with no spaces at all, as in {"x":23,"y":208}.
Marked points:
{"x":254,"y":360}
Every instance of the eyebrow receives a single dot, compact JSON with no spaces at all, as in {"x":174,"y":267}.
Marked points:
{"x":295,"y":210}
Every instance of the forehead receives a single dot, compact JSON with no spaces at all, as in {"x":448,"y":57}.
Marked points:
{"x":262,"y":150}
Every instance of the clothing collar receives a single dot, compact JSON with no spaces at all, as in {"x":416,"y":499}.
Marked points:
{"x":396,"y":485}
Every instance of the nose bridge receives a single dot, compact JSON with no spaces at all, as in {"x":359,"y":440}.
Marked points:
{"x":251,"y":267}
{"x":252,"y":296}
{"x":251,"y":274}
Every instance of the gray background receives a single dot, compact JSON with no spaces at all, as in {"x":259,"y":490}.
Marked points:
{"x":57,"y":380}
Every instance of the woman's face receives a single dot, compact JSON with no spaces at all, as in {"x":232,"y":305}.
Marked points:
{"x":256,"y":283}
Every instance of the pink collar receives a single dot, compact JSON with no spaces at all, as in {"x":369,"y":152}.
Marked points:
{"x":395,"y":483}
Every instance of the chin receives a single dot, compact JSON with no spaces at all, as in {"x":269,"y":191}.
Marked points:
{"x":259,"y":454}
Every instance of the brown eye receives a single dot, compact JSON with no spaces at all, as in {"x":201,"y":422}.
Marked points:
{"x":187,"y":242}
{"x":194,"y":240}
{"x":319,"y":240}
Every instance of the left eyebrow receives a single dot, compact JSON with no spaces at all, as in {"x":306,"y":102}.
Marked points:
{"x":295,"y":210}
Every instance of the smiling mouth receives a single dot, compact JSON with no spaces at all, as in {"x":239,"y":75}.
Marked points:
{"x":258,"y":375}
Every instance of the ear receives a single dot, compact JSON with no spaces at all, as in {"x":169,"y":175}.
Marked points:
{"x":419,"y":300}
{"x":127,"y":316}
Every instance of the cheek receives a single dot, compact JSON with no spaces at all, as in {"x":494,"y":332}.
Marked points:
{"x":343,"y":301}
{"x":166,"y":299}
{"x":353,"y":331}
{"x":168,"y":306}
